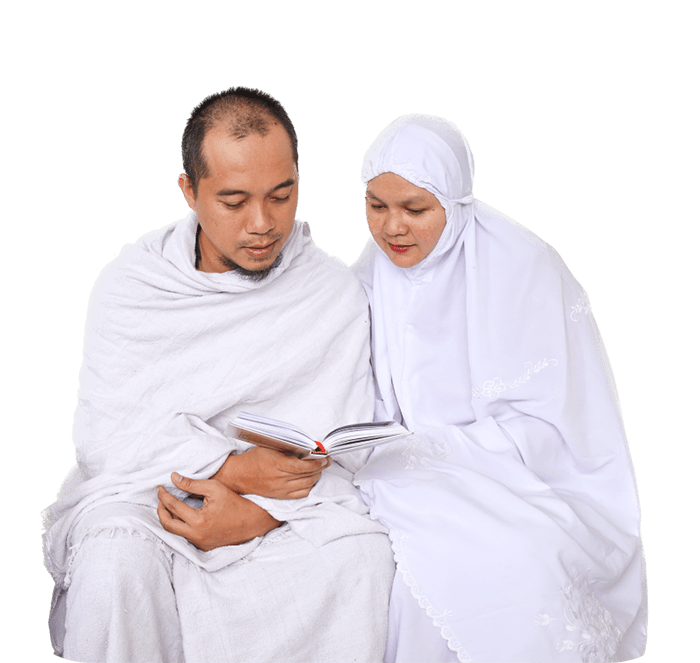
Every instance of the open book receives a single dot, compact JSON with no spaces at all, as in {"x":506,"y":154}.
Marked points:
{"x":287,"y":438}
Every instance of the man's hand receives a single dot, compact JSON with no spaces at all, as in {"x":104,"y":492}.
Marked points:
{"x":225,"y":518}
{"x":269,"y":473}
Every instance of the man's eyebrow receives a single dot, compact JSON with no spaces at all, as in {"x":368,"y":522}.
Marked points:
{"x":238,"y":192}
{"x":230,"y":192}
{"x":283,"y":185}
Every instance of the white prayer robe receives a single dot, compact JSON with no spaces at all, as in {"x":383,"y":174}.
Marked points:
{"x":171,"y":355}
{"x":513,"y":510}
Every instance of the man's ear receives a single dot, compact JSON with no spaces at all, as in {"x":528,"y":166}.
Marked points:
{"x":187,"y":191}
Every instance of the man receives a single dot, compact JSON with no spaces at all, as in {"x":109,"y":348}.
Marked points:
{"x":232,"y":309}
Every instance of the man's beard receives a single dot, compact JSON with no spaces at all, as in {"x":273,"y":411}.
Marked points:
{"x":250,"y":274}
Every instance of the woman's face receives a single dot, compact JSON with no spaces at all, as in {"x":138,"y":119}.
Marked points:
{"x":405,"y":220}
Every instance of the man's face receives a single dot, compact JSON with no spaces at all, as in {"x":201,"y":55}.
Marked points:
{"x":247,"y":203}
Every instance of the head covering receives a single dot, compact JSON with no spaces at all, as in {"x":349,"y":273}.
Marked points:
{"x":432,"y":154}
{"x":515,"y":501}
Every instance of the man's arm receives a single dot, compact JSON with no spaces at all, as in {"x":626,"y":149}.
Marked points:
{"x":225,"y":518}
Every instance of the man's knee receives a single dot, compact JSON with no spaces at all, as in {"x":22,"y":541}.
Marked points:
{"x":120,"y":588}
{"x":117,"y":560}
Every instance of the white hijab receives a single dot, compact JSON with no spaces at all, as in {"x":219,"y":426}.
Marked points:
{"x":488,"y":350}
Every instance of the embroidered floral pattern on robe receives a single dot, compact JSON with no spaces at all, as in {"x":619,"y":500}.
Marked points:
{"x":421,"y":450}
{"x":581,"y":306}
{"x":492,"y":388}
{"x":590,"y":628}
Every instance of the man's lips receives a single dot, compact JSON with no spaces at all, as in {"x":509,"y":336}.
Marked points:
{"x":261,"y":250}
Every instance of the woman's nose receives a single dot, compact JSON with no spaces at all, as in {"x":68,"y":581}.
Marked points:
{"x":395,"y":224}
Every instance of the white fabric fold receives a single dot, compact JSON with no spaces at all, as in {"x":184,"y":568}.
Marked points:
{"x":513,"y":510}
{"x":172,"y":354}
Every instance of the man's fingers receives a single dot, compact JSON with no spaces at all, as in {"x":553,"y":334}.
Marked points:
{"x":164,"y":515}
{"x":298,"y":494}
{"x":169,"y":522}
{"x":297,"y":488}
{"x":175,"y":506}
{"x":172,"y":515}
{"x":307,"y":482}
{"x":318,"y":464}
{"x":315,"y":464}
{"x":200,"y":487}
{"x":307,"y":466}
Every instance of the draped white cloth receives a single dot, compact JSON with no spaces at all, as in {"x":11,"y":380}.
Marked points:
{"x":134,"y":600}
{"x":513,"y":509}
{"x":172,"y":354}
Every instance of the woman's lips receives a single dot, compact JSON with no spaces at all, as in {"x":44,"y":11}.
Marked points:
{"x":398,"y":248}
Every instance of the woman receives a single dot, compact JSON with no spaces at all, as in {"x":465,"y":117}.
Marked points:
{"x":512,"y":510}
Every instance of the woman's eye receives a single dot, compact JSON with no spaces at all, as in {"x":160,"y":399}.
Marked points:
{"x":375,"y":206}
{"x":233,"y":205}
{"x":415,"y":212}
{"x":282,"y":200}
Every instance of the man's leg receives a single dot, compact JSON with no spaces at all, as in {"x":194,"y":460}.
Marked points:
{"x":120,"y":605}
{"x":289,"y":601}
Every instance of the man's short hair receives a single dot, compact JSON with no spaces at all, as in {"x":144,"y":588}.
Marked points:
{"x":244,"y":111}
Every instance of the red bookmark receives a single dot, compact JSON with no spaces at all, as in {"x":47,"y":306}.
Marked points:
{"x":321,"y":447}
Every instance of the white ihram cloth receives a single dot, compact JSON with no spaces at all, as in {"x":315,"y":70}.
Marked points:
{"x":513,"y":510}
{"x":171,"y":355}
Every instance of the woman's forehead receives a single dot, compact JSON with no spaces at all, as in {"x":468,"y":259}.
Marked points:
{"x":392,"y":186}
{"x":426,"y":150}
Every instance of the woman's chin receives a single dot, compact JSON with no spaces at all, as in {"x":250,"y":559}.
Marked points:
{"x":404,"y":260}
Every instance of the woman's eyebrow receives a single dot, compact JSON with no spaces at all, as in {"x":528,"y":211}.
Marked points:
{"x":416,"y":200}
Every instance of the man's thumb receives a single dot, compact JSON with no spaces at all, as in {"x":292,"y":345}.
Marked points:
{"x":183,"y":483}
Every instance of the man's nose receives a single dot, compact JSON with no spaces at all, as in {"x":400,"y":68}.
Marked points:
{"x":259,"y":221}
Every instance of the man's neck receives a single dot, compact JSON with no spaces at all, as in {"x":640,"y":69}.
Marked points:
{"x":197,"y":250}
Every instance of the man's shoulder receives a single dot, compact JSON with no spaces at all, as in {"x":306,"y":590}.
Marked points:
{"x":137,"y":262}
